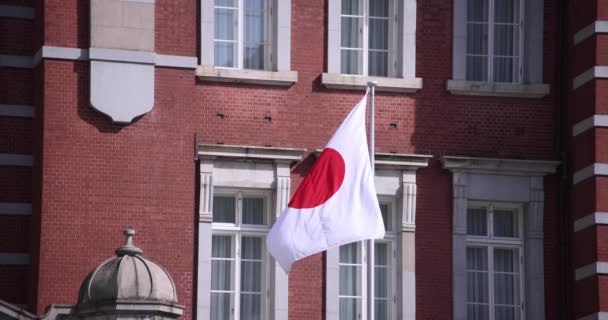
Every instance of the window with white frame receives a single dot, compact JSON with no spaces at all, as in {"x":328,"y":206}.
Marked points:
{"x":367,"y":38}
{"x":494,"y":262}
{"x":243,"y":34}
{"x":494,"y":43}
{"x":240,"y":269}
{"x":353,"y":273}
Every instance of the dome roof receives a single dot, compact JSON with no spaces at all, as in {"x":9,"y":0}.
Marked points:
{"x":127,"y":277}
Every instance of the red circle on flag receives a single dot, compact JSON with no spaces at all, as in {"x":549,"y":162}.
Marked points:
{"x":322,"y":182}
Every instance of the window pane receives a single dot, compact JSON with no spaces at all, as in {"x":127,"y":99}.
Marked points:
{"x":477,"y":10}
{"x":506,"y":260}
{"x":477,"y":222}
{"x":221,"y":274}
{"x":226,"y":3}
{"x":254,"y":4}
{"x":477,"y":38}
{"x":477,"y":287}
{"x":477,"y":68}
{"x":381,"y":282}
{"x":478,"y":312}
{"x":506,"y":11}
{"x":381,"y":253}
{"x":251,"y":276}
{"x":352,"y":7}
{"x":477,"y":258}
{"x":251,"y":306}
{"x":225,"y":54}
{"x":223,"y":206}
{"x":350,"y":253}
{"x":253,"y":56}
{"x":220,"y":306}
{"x":505,"y":70}
{"x":350,"y":280}
{"x":381,"y":309}
{"x":221,"y":246}
{"x":378,"y":34}
{"x":253,"y":27}
{"x":506,"y":313}
{"x":505,"y":40}
{"x":251,"y":248}
{"x":225,"y":22}
{"x":351,"y":61}
{"x":350,"y":309}
{"x":506,"y":223}
{"x":378,"y":8}
{"x":385,"y":210}
{"x":253,"y":210}
{"x":351,"y":34}
{"x":378,"y":64}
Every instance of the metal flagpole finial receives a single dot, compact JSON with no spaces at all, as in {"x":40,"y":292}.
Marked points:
{"x":372,"y":83}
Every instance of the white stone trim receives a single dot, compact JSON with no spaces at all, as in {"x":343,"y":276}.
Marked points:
{"x":16,"y":61}
{"x":278,"y":78}
{"x":598,"y":120}
{"x":210,"y":151}
{"x":594,"y":169}
{"x":590,"y":220}
{"x":176,"y":61}
{"x":499,"y":166}
{"x":16,"y":110}
{"x":15,"y":208}
{"x":50,"y":52}
{"x":596,"y":268}
{"x":12,"y":159}
{"x":354,"y":82}
{"x":597,"y":72}
{"x":9,"y":258}
{"x":588,"y":31}
{"x":595,"y":316}
{"x":472,"y":88}
{"x":19,"y":12}
{"x":122,"y":55}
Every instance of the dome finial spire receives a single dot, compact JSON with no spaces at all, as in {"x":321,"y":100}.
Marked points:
{"x":128,"y":248}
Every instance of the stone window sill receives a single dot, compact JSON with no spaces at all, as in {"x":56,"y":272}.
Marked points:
{"x":472,"y":88}
{"x":276,"y":78}
{"x":353,"y":82}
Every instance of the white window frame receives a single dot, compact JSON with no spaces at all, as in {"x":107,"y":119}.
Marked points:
{"x":490,"y":242}
{"x":240,"y":42}
{"x":403,"y":78}
{"x":393,"y":25}
{"x":237,"y":230}
{"x":517,"y":71}
{"x":277,"y":70}
{"x":530,"y":83}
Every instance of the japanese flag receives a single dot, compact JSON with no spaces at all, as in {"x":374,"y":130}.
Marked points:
{"x":336,"y":202}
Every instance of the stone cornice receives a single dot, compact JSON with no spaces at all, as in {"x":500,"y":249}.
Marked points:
{"x":212,"y":151}
{"x":499,"y":166}
{"x":399,"y":161}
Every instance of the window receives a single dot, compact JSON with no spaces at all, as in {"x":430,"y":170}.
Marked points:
{"x":353,"y":274}
{"x":494,"y":45}
{"x":367,"y":43}
{"x":494,"y":261}
{"x":240,"y":271}
{"x":242,"y":34}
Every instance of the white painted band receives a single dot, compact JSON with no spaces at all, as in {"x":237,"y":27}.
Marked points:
{"x":590,"y":220}
{"x":7,"y":258}
{"x":10,"y":159}
{"x":595,"y":169}
{"x":18,"y":12}
{"x":15,"y":61}
{"x":114,"y":55}
{"x":16,"y":110}
{"x":15,"y":208}
{"x":590,"y":30}
{"x":595,"y":316}
{"x":596,"y":268}
{"x":592,"y":73}
{"x":598,"y":120}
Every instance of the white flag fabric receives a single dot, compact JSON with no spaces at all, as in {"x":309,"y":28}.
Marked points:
{"x":336,"y":203}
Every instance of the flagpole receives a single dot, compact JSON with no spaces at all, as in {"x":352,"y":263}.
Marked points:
{"x":370,"y":243}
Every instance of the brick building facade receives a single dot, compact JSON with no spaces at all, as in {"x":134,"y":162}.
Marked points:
{"x":456,"y":140}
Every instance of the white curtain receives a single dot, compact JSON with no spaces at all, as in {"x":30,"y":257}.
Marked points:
{"x":477,"y":40}
{"x":506,"y":40}
{"x":506,"y":223}
{"x":224,"y":209}
{"x":253,"y":211}
{"x":221,"y":277}
{"x":506,"y":284}
{"x":251,"y":278}
{"x":350,"y":281}
{"x":477,"y":223}
{"x":254,"y":34}
{"x":351,"y":34}
{"x":378,"y":38}
{"x":477,"y":284}
{"x":225,"y":32}
{"x":381,"y":280}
